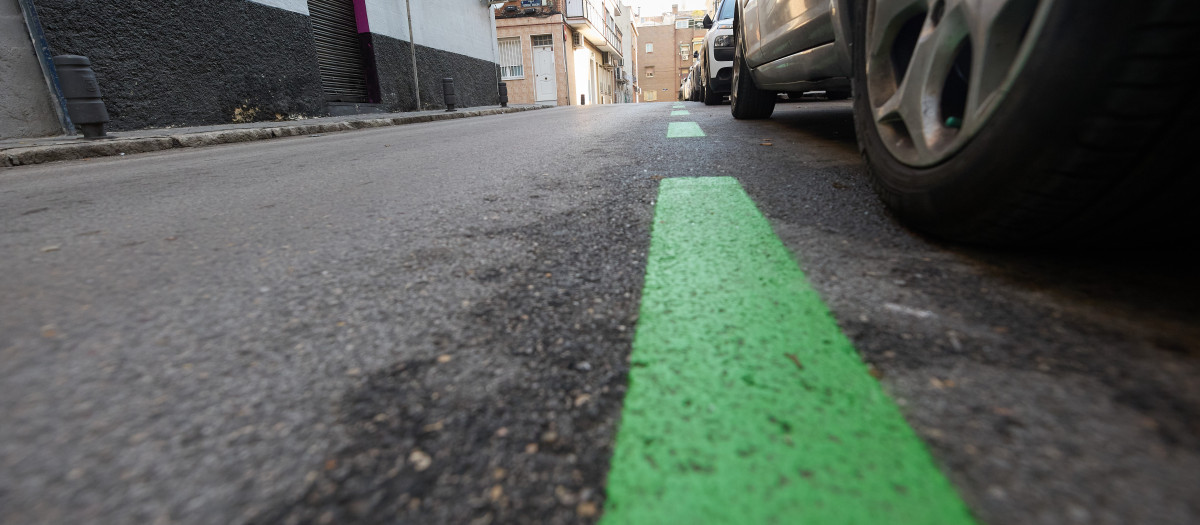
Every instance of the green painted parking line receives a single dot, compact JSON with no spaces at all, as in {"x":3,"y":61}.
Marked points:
{"x":746,"y":403}
{"x":684,"y":129}
{"x":677,"y":105}
{"x":679,"y":112}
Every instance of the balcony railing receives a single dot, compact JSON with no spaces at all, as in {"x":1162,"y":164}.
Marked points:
{"x":593,"y":13}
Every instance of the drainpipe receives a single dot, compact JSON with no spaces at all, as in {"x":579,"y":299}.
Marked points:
{"x":412,"y":49}
{"x":49,"y":73}
{"x":568,"y":44}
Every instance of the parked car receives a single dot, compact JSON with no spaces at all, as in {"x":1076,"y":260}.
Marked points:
{"x":697,"y":86}
{"x":1012,"y":122}
{"x":716,"y":54}
{"x":685,"y":88}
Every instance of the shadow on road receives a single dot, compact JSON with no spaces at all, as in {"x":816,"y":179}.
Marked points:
{"x":832,"y":121}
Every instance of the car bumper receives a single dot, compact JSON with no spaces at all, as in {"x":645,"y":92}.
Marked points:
{"x":723,"y":81}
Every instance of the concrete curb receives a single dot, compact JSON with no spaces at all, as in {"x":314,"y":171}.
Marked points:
{"x":29,"y":155}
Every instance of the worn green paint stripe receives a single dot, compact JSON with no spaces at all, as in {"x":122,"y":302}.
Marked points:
{"x":746,"y":403}
{"x":680,"y":112}
{"x":684,"y":129}
{"x":677,"y":105}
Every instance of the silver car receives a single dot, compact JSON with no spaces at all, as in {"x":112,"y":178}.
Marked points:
{"x":1018,"y":122}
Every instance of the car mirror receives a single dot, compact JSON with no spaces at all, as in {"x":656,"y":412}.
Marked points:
{"x":707,"y":22}
{"x":695,"y":54}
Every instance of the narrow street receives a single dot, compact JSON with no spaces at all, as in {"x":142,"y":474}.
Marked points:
{"x":432,"y":323}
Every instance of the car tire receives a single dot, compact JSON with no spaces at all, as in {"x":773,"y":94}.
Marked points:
{"x":1065,"y":155}
{"x":746,"y":101}
{"x":711,"y":98}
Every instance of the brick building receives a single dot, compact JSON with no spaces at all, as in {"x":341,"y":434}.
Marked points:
{"x":665,"y":47}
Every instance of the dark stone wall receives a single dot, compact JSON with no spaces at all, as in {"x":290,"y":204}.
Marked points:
{"x":393,"y":67}
{"x":474,"y":79}
{"x":186,"y":62}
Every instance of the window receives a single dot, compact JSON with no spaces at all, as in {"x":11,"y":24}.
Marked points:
{"x":681,"y":24}
{"x":683,"y":53}
{"x":511,"y":65}
{"x":541,"y":40}
{"x":651,"y":96}
{"x":649,"y":71}
{"x":726,"y":10}
{"x":650,"y":47}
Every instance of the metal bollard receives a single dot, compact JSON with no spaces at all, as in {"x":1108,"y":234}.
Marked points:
{"x":448,"y":91}
{"x":503,"y":95}
{"x":82,"y":92}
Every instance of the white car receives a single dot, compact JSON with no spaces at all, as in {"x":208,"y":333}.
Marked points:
{"x":716,"y":61}
{"x":685,"y":88}
{"x":1003,"y":122}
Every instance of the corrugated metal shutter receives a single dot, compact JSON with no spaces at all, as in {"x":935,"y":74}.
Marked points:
{"x":335,"y":32}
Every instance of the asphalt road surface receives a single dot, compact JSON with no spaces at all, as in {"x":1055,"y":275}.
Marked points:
{"x":432,"y":323}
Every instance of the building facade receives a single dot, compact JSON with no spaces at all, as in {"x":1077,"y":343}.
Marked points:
{"x":180,"y":62}
{"x":665,"y":52}
{"x":627,"y":86}
{"x":564,"y":52}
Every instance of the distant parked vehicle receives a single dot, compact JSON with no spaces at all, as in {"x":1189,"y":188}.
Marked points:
{"x":697,"y":87}
{"x":1017,"y":122}
{"x":716,"y":54}
{"x":685,"y":88}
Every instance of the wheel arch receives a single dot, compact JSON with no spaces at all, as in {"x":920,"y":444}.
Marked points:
{"x":844,"y":14}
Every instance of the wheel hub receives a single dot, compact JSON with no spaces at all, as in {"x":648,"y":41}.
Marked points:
{"x":937,"y":69}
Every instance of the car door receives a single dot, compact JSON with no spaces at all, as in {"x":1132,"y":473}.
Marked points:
{"x":787,"y":27}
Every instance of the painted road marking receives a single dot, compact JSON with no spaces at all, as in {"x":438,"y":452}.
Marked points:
{"x":684,"y":129}
{"x":746,"y":403}
{"x":677,"y":105}
{"x":679,"y":112}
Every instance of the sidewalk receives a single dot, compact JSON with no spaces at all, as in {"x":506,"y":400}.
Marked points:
{"x":23,"y":152}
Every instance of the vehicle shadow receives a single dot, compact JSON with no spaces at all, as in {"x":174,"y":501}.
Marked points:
{"x":1153,"y":286}
{"x":829,"y":120}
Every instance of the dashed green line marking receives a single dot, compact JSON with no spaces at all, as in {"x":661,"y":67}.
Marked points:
{"x":679,"y":112}
{"x":746,"y":403}
{"x":677,"y":105}
{"x":684,"y":129}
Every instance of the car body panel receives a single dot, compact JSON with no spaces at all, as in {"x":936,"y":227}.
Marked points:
{"x":797,"y":45}
{"x":790,"y":27}
{"x":803,"y":71}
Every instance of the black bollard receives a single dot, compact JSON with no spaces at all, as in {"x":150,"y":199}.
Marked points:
{"x":79,"y":87}
{"x":448,"y":91}
{"x":503,"y":95}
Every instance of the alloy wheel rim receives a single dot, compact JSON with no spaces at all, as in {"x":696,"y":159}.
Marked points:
{"x":937,"y":70}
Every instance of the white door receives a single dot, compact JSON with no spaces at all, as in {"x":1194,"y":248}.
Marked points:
{"x":545,"y":83}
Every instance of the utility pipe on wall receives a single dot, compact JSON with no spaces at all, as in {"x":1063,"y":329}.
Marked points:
{"x":34,"y":25}
{"x":568,"y":42}
{"x":412,"y":49}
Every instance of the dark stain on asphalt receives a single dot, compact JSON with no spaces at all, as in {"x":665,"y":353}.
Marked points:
{"x":514,"y":420}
